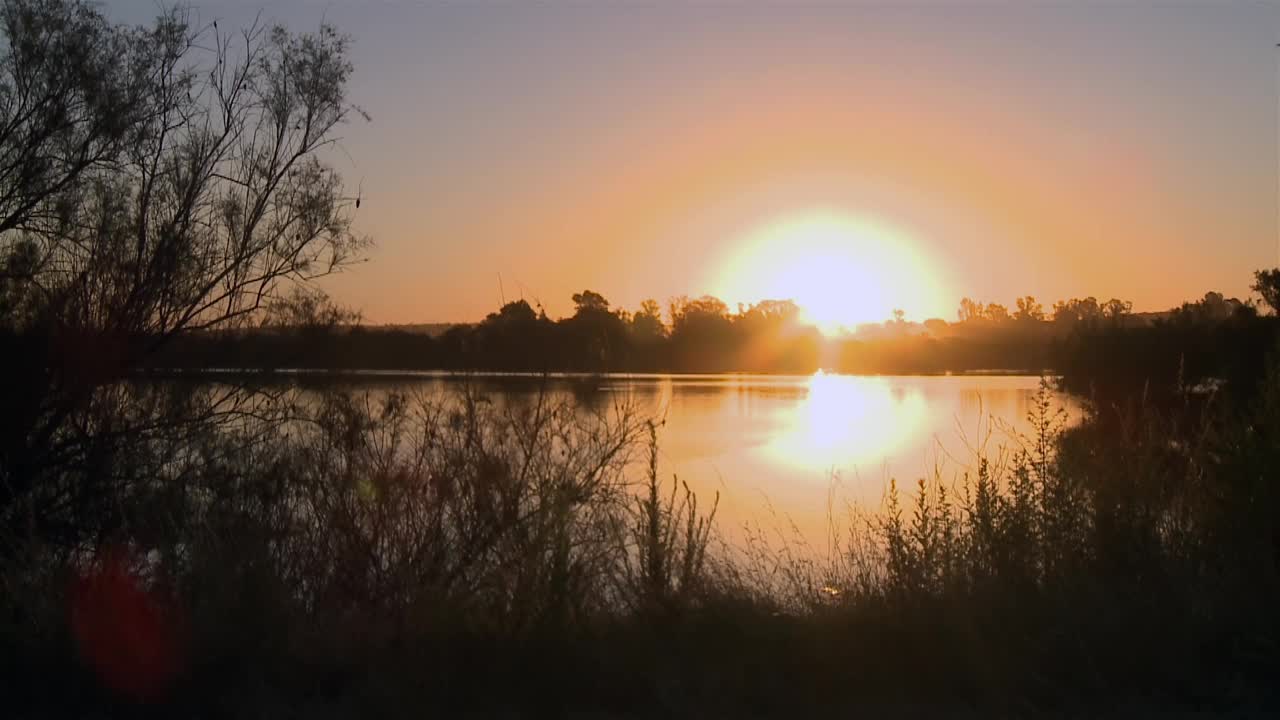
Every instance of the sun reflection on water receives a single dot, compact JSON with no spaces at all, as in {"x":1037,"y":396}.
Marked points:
{"x":847,"y":421}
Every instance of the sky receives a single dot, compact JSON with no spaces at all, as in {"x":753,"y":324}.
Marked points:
{"x":855,"y":155}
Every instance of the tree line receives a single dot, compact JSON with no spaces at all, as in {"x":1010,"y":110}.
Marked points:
{"x":703,"y":334}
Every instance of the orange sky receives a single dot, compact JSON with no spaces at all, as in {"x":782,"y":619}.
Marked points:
{"x":1110,"y":150}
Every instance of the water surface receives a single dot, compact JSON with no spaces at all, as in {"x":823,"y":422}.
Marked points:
{"x":783,"y":451}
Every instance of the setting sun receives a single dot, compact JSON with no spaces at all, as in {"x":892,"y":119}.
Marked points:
{"x":841,"y":270}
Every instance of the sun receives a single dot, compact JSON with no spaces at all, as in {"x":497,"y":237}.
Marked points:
{"x":841,"y":270}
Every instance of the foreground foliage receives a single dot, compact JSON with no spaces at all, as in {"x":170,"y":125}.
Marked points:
{"x":388,"y":553}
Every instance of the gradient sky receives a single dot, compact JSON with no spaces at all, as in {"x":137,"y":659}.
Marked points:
{"x":1107,"y":149}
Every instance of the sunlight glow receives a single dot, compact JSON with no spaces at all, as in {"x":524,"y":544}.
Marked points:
{"x":847,"y":421}
{"x":841,"y":270}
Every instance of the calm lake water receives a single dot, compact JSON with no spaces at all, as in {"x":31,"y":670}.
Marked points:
{"x":782,"y":450}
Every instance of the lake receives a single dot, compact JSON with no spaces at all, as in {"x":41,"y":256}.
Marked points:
{"x":784,"y":450}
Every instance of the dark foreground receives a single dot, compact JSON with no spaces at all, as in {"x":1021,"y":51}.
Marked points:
{"x":409,"y":558}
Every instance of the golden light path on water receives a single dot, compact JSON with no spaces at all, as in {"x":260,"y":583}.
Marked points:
{"x":791,"y":452}
{"x":847,"y":420}
{"x":788,"y":453}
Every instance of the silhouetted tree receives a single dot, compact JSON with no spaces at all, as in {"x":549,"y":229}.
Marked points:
{"x":1115,"y":309}
{"x":76,"y":95}
{"x":705,"y":310}
{"x":1075,"y":311}
{"x":1029,"y":309}
{"x":646,"y":323}
{"x":970,"y":310}
{"x":595,"y":338}
{"x":588,"y":301}
{"x":1211,"y":309}
{"x":153,"y":182}
{"x":1267,"y":284}
{"x":996,"y":312}
{"x":514,"y":313}
{"x":702,"y":337}
{"x":309,"y":308}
